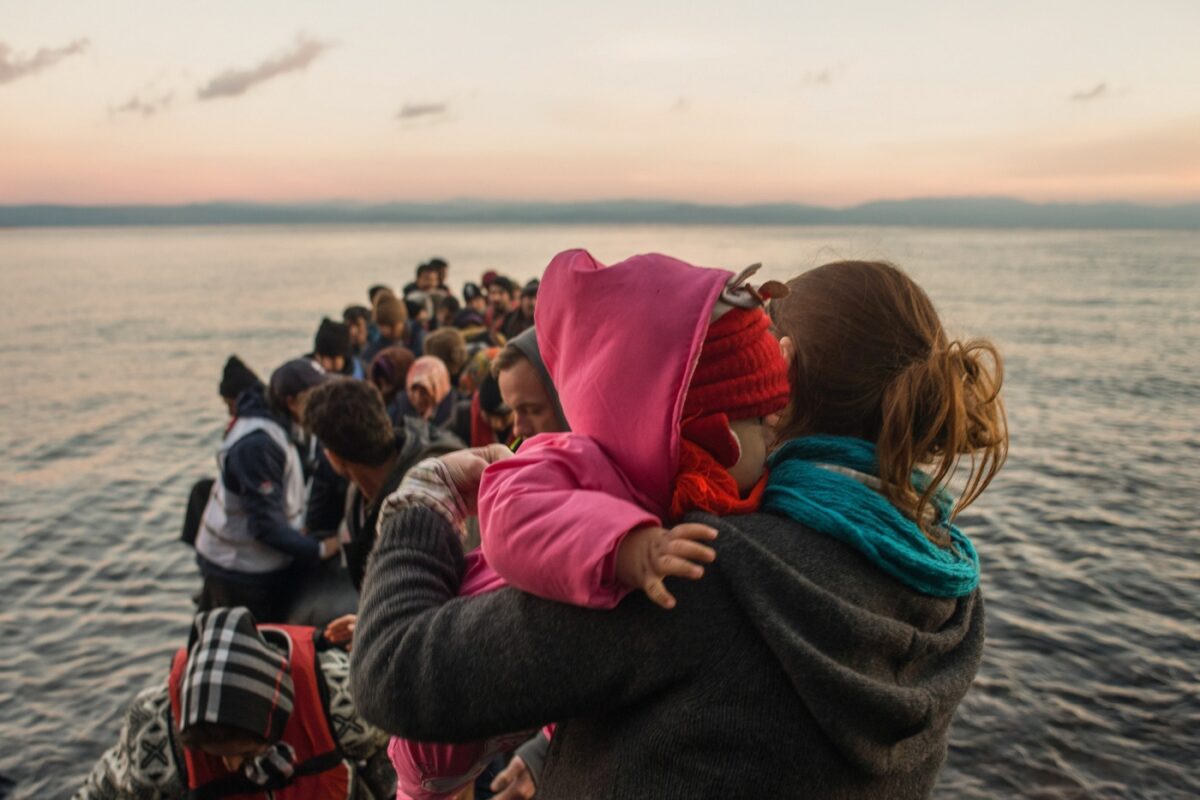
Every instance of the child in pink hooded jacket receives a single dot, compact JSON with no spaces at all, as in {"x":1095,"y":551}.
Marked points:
{"x":665,"y":372}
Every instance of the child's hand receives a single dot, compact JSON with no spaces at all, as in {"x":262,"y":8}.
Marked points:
{"x":341,"y":631}
{"x":649,"y":554}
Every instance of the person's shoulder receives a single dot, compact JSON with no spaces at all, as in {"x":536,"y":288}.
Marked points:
{"x":256,"y":446}
{"x":761,"y":541}
{"x":761,"y":549}
{"x":770,"y":530}
{"x":758,"y":525}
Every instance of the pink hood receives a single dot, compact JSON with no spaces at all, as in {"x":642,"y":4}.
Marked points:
{"x":620,"y":344}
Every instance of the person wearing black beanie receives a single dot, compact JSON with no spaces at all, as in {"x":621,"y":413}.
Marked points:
{"x":235,"y":379}
{"x":331,"y":345}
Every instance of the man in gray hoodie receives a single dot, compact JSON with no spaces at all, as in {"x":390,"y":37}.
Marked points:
{"x":527,"y":389}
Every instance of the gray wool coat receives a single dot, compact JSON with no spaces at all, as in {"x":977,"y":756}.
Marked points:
{"x":794,"y":668}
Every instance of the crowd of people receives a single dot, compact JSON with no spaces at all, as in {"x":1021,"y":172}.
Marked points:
{"x":690,"y":536}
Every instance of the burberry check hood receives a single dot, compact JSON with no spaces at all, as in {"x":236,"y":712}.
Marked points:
{"x":234,"y":678}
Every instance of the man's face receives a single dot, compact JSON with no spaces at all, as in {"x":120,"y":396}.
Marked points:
{"x":527,"y":305}
{"x":523,"y":392}
{"x":427,"y":280}
{"x":421,"y":400}
{"x":499,"y":298}
{"x":358,"y":332}
{"x":478,"y":303}
{"x":334,"y":364}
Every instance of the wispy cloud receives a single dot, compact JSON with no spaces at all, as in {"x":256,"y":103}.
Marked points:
{"x":13,"y":67}
{"x":1095,"y":93}
{"x":820,"y":77}
{"x":233,"y":82}
{"x":823,"y":77}
{"x":419,"y":110}
{"x":146,"y":104}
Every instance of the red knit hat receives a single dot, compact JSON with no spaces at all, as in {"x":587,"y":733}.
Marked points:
{"x":741,"y":372}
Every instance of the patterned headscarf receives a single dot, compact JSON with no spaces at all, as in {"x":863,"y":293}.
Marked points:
{"x":234,"y":678}
{"x":430,"y":372}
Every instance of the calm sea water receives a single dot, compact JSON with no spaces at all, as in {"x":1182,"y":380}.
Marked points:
{"x":113,"y":341}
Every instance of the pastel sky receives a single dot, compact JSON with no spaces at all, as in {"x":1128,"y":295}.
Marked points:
{"x":127,"y":101}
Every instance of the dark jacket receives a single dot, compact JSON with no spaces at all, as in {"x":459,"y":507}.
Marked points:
{"x":402,"y":408}
{"x":415,"y":341}
{"x":254,"y":471}
{"x":326,"y":498}
{"x":793,"y":668}
{"x":514,"y":323}
{"x":415,"y":440}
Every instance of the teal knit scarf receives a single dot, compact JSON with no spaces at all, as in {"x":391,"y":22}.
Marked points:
{"x":823,"y":482}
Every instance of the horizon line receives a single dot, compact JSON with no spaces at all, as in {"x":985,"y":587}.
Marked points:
{"x":352,"y":201}
{"x":963,"y":211}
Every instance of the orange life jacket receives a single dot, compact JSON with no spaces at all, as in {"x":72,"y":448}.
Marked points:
{"x":320,"y":769}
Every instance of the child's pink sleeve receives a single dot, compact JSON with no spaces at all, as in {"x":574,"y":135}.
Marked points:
{"x":552,"y":516}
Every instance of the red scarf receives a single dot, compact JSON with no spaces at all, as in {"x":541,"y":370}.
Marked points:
{"x":702,"y":484}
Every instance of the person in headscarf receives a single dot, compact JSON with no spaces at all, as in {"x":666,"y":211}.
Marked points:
{"x":246,"y":709}
{"x":389,"y":373}
{"x":428,"y":395}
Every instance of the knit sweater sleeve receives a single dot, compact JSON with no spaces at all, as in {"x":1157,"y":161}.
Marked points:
{"x":553,"y":516}
{"x":142,"y":765}
{"x":432,"y":666}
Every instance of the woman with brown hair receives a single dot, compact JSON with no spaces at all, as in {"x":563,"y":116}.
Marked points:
{"x":824,"y":652}
{"x":884,"y":406}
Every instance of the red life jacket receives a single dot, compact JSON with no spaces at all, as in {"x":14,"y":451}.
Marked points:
{"x":320,"y":770}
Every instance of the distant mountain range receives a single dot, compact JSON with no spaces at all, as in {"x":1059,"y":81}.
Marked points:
{"x":962,"y":212}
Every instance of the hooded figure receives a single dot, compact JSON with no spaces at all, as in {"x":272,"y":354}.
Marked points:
{"x":251,"y":714}
{"x":566,"y":504}
{"x":427,"y":394}
{"x":527,"y":343}
{"x":247,"y":710}
{"x":618,"y":468}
